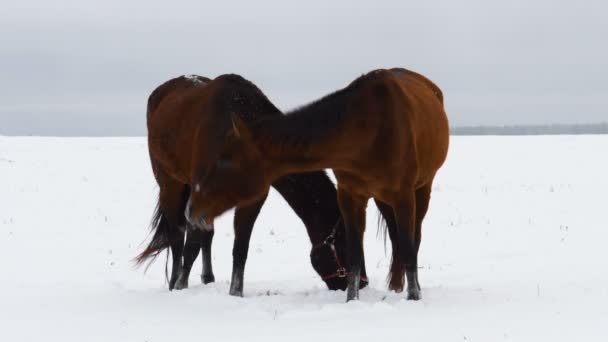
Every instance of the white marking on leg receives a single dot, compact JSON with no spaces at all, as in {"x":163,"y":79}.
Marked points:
{"x":208,"y":227}
{"x":187,"y":212}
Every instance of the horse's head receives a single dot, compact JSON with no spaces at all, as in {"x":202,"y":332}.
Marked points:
{"x":328,"y":258}
{"x":230,"y":174}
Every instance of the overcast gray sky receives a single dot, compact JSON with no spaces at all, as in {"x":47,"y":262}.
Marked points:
{"x":87,"y":67}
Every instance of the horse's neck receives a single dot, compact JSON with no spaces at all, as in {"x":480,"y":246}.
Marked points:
{"x":312,"y":196}
{"x":283,"y":162}
{"x":289,"y":157}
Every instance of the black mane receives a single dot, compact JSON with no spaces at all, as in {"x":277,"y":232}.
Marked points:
{"x":312,"y":122}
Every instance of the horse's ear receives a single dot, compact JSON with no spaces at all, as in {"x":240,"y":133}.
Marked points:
{"x":238,"y":126}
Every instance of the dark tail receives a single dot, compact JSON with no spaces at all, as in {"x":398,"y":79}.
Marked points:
{"x":160,"y":239}
{"x":395,"y":277}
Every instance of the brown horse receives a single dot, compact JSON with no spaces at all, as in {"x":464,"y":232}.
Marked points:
{"x":179,"y":140}
{"x":385,"y":136}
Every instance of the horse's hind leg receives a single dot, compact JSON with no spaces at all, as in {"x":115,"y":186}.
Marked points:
{"x":206,"y":242}
{"x":405,"y":216}
{"x":423,"y":197}
{"x":396,"y":276}
{"x":172,"y":201}
{"x":177,"y":249}
{"x":191,"y":250}
{"x":244,"y":219}
{"x":197,"y":240}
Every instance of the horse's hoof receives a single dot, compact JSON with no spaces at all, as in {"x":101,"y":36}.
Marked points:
{"x":352,"y":293}
{"x":352,"y":289}
{"x":236,"y":293}
{"x":172,"y":284}
{"x":181,"y":283}
{"x":207,"y":278}
{"x":413,"y":294}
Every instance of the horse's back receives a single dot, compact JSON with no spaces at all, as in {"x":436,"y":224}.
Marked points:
{"x":408,"y":75}
{"x":414,"y":99}
{"x":172,"y":86}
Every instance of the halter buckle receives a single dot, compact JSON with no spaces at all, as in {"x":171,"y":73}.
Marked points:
{"x":341,"y":272}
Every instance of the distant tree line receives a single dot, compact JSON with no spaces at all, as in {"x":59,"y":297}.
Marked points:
{"x":555,"y":129}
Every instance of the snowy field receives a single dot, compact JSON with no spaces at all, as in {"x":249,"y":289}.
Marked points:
{"x":514,"y":248}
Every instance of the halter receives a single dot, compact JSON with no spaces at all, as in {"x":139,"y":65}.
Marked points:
{"x":330,"y":241}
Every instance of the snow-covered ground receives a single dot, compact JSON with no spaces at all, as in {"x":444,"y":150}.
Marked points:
{"x":514,"y":248}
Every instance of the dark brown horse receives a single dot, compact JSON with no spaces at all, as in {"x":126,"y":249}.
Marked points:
{"x":385,"y":136}
{"x":180,"y":139}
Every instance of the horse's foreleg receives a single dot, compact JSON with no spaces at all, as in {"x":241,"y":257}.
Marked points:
{"x":405,"y":216}
{"x":353,"y":212}
{"x":244,"y":218}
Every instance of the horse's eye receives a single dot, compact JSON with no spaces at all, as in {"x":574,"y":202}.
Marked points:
{"x":224,"y":163}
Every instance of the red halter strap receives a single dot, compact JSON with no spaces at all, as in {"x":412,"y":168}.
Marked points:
{"x":330,"y":241}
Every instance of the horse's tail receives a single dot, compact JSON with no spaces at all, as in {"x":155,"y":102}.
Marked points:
{"x":160,"y":240}
{"x":395,"y":277}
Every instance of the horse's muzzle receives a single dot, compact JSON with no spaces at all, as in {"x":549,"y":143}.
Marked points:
{"x":199,"y":222}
